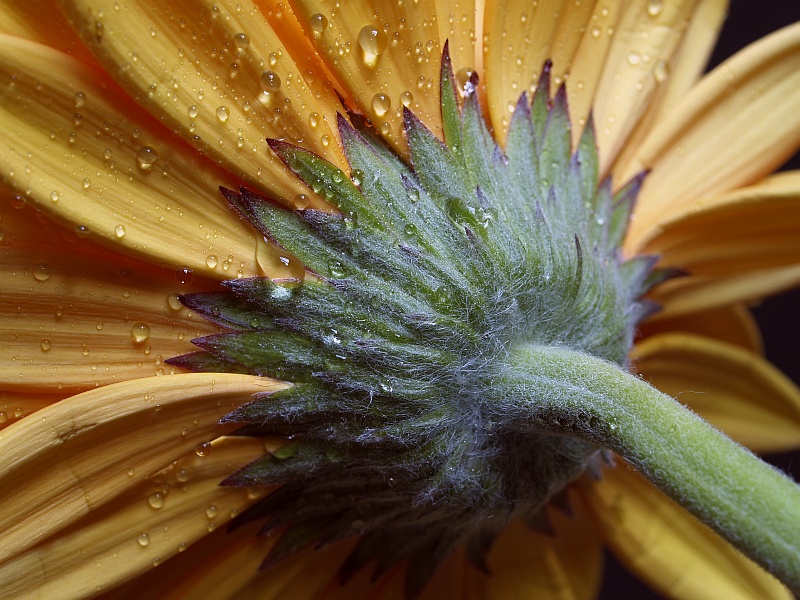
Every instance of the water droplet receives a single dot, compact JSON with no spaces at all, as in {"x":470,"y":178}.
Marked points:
{"x":182,"y":476}
{"x":119,"y":231}
{"x":381,"y":103}
{"x":407,"y":98}
{"x":357,"y":176}
{"x":202,"y":449}
{"x":212,"y":261}
{"x":654,"y":7}
{"x":596,"y":32}
{"x":156,"y":500}
{"x":184,"y":275}
{"x":634,"y":58}
{"x":270,"y":82}
{"x":463,"y":79}
{"x":3,"y":417}
{"x":87,"y":183}
{"x":222,"y":113}
{"x":46,"y":345}
{"x":80,"y":99}
{"x":301,"y":201}
{"x":319,"y":22}
{"x":131,"y":472}
{"x":287,"y":451}
{"x":661,"y":71}
{"x":143,"y":540}
{"x":140,"y":332}
{"x":18,"y":412}
{"x":410,"y":229}
{"x":372,"y":40}
{"x":54,"y":196}
{"x":42,"y":272}
{"x":146,"y":156}
{"x":82,"y":231}
{"x":212,"y":511}
{"x":241,"y":41}
{"x":182,"y":547}
{"x":173,"y":301}
{"x":193,"y":112}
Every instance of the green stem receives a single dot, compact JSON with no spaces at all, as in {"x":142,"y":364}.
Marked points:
{"x":750,"y":503}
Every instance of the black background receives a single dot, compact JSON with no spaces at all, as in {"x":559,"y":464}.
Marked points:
{"x":748,"y":20}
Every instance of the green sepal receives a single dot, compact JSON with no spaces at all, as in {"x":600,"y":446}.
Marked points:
{"x":227,"y":311}
{"x":451,"y":113}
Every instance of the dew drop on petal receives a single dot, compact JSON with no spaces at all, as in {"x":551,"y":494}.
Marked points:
{"x":407,"y":98}
{"x":381,"y":103}
{"x":174,"y":302}
{"x":211,"y":511}
{"x":119,"y":231}
{"x":80,"y":99}
{"x":182,"y":547}
{"x":661,"y":71}
{"x":156,"y":500}
{"x":192,"y":112}
{"x":146,"y":156}
{"x":140,"y":332}
{"x":372,"y":40}
{"x":654,"y":7}
{"x":54,"y":196}
{"x":212,"y":261}
{"x":143,"y":540}
{"x":319,"y":22}
{"x":270,"y":82}
{"x":82,"y":231}
{"x":301,"y":201}
{"x":182,"y":476}
{"x":202,"y":449}
{"x":42,"y":272}
{"x":241,"y":41}
{"x":86,"y":183}
{"x":184,"y":275}
{"x":46,"y":345}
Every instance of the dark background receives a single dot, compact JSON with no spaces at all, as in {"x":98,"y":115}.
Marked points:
{"x":748,"y":20}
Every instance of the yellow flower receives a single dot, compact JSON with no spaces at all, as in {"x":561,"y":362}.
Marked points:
{"x":118,"y":122}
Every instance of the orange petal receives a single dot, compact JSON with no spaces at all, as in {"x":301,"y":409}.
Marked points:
{"x":387,"y":55}
{"x":738,"y":124}
{"x":73,"y":322}
{"x":95,"y":162}
{"x":138,"y":531}
{"x":42,"y":21}
{"x":749,"y":229}
{"x":736,"y":390}
{"x":17,"y":405}
{"x":519,"y":37}
{"x":733,"y":324}
{"x":216,"y":72}
{"x":79,"y":454}
{"x":668,"y":548}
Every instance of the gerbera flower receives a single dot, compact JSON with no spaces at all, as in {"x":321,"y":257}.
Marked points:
{"x":119,"y":123}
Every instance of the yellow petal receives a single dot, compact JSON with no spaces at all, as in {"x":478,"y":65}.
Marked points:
{"x":698,"y":293}
{"x":386,"y":55}
{"x":736,"y":390}
{"x":566,"y":565}
{"x":520,"y":36}
{"x":738,"y":124}
{"x":668,"y":548}
{"x":71,"y":322}
{"x":216,"y":566}
{"x":138,"y":531}
{"x":733,"y":324}
{"x":644,"y":42}
{"x":42,"y":21}
{"x":675,"y":77}
{"x":749,"y":229}
{"x":216,"y":72}
{"x":77,"y":455}
{"x":86,"y":156}
{"x":461,"y":25}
